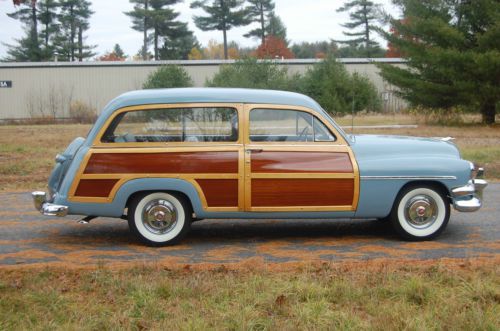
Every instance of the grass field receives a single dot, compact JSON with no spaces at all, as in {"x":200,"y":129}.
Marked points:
{"x":321,"y":297}
{"x":27,"y":151}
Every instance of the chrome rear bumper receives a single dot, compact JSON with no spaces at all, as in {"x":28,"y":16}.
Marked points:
{"x":468,"y":198}
{"x":47,"y":208}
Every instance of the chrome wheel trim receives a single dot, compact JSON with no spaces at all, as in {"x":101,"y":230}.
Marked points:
{"x":421,"y":211}
{"x":159,"y":216}
{"x":431,"y":227}
{"x":176,"y":228}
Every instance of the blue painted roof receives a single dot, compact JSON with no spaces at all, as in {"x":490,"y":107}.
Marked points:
{"x":231,"y":95}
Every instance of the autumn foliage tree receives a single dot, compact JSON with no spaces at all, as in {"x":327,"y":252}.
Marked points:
{"x":274,"y":47}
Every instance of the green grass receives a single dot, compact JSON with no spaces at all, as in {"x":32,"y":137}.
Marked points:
{"x":317,"y":298}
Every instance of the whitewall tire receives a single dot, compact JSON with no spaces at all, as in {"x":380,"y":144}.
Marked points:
{"x":159,"y":218}
{"x":420,"y":213}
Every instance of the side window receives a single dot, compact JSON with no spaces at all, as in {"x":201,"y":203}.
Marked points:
{"x":174,"y":125}
{"x":321,"y":132}
{"x":274,"y":125}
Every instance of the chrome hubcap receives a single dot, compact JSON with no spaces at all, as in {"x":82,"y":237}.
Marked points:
{"x":159,"y":216}
{"x":421,"y":211}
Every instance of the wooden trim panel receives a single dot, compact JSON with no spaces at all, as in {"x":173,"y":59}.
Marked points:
{"x":301,"y":162}
{"x":161,"y":163}
{"x":95,"y":187}
{"x":302,"y":192}
{"x":220,"y":192}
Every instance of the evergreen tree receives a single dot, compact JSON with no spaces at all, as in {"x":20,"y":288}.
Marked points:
{"x":276,"y":27}
{"x":140,"y":22}
{"x":223,"y":15}
{"x":453,"y":54}
{"x":74,"y":20}
{"x":259,"y":11}
{"x":363,"y":13}
{"x":28,"y":48}
{"x":118,"y":51}
{"x":319,"y":49}
{"x":164,"y":25}
{"x":48,"y":18}
{"x":179,"y":48}
{"x":157,"y":16}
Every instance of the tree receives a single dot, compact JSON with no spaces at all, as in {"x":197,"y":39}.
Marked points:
{"x":307,"y":50}
{"x":164,"y":26}
{"x":252,"y":73}
{"x":276,"y":27}
{"x":195,"y":54}
{"x":140,"y":22}
{"x":167,"y":77}
{"x":47,"y":16}
{"x":363,"y":13}
{"x":28,"y":48}
{"x":178,"y":48}
{"x":223,"y":15}
{"x":452,"y":52}
{"x":329,"y":83}
{"x":272,"y":48}
{"x":116,"y":55}
{"x":158,"y":17}
{"x":119,"y":51}
{"x":259,"y":11}
{"x":74,"y":19}
{"x":353,"y":51}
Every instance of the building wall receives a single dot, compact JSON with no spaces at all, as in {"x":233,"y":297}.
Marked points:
{"x":47,"y":89}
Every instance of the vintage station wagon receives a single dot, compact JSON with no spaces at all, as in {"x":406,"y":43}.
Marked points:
{"x":165,"y":158}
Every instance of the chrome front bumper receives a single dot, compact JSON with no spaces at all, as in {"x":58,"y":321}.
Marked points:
{"x":47,"y":208}
{"x":468,"y":198}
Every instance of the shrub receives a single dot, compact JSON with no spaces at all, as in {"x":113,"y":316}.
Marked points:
{"x":329,"y":83}
{"x":251,"y":73}
{"x":167,"y":77}
{"x":81,"y":112}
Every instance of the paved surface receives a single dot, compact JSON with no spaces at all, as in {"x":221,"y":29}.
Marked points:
{"x":27,"y":238}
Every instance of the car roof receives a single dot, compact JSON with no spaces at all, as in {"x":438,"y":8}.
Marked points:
{"x":210,"y":95}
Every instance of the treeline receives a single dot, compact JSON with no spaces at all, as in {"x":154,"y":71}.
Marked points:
{"x":55,"y":29}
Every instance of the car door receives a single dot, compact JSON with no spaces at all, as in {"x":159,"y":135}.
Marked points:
{"x":296,"y":161}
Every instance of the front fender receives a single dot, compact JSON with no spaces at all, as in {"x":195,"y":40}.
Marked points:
{"x":382,"y":179}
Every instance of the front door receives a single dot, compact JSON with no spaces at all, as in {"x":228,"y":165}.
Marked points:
{"x":296,"y":161}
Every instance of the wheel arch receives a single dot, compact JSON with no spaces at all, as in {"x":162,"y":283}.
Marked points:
{"x":132,"y":188}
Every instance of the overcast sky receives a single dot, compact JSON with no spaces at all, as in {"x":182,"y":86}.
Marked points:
{"x":306,"y":20}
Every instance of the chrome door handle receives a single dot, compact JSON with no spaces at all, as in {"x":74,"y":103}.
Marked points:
{"x":255,"y":150}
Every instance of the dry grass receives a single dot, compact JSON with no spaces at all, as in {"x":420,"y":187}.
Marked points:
{"x":27,"y":151}
{"x":317,"y":298}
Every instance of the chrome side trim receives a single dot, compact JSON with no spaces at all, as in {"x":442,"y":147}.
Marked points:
{"x":408,"y":177}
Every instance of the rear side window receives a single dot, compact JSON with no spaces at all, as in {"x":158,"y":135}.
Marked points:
{"x":275,"y":125}
{"x":174,"y":125}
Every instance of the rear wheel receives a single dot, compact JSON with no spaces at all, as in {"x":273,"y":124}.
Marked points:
{"x":420,"y":213}
{"x":159,"y":218}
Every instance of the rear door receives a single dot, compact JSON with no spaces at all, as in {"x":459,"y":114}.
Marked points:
{"x":296,"y":161}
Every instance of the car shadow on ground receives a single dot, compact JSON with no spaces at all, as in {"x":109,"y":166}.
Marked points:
{"x":112,"y":232}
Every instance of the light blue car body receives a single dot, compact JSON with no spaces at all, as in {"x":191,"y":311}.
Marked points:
{"x":386,"y":163}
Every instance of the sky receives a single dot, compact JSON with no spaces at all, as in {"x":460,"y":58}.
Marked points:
{"x":306,"y":20}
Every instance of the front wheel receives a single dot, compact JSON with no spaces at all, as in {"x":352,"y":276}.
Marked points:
{"x":420,"y":213}
{"x":159,"y":218}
